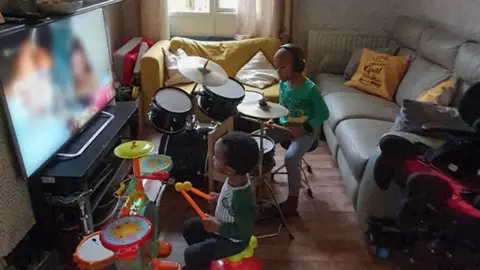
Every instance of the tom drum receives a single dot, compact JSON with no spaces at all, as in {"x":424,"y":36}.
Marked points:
{"x":221,"y":102}
{"x":169,"y":110}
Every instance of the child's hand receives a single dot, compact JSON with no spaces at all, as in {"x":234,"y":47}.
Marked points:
{"x":211,"y":224}
{"x":296,"y":130}
{"x":269,"y":124}
{"x":213,"y":197}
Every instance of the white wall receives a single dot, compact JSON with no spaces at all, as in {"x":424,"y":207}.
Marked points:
{"x":341,"y":14}
{"x":459,"y":16}
{"x":209,"y":24}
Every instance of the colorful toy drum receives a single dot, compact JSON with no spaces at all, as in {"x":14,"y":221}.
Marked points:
{"x":155,"y":163}
{"x":92,"y":255}
{"x":125,"y":235}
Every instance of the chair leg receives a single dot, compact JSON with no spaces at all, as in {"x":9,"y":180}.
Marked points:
{"x":305,"y":181}
{"x":309,"y":168}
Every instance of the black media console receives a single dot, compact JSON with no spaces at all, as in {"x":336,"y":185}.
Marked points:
{"x":74,"y":197}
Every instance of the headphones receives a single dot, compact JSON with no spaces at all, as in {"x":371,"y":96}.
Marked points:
{"x":298,"y":58}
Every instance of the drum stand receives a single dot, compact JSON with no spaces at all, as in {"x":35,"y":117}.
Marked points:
{"x":261,"y":177}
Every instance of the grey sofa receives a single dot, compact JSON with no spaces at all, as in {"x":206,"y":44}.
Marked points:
{"x":358,"y":120}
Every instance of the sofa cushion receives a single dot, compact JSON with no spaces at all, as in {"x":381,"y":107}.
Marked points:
{"x":343,"y":106}
{"x":231,"y":55}
{"x":332,"y":83}
{"x":440,"y":47}
{"x":421,"y":75}
{"x":467,"y":63}
{"x":271,"y":93}
{"x":407,"y":31}
{"x":357,"y":138}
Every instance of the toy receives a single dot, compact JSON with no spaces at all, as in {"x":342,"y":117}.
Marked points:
{"x":91,"y":254}
{"x":242,"y":261}
{"x":124,"y":236}
{"x":187,"y":186}
{"x":245,"y":259}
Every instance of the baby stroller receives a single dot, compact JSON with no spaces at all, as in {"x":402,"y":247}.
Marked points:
{"x":437,"y":227}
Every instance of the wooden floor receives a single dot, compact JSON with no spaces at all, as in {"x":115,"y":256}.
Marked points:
{"x":326,"y":234}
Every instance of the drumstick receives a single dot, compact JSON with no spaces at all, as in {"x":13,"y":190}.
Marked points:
{"x":183,"y":188}
{"x":193,"y":204}
{"x":201,"y":194}
{"x":258,"y":122}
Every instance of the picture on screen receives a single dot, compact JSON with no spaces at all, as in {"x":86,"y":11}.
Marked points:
{"x":55,"y":78}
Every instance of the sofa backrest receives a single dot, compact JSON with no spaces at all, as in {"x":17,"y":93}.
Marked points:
{"x":437,"y":55}
{"x":230,"y":55}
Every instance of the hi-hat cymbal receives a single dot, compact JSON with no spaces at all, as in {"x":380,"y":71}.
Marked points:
{"x":202,"y":71}
{"x":268,"y":110}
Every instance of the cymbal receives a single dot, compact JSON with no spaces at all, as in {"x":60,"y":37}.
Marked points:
{"x":202,"y":71}
{"x":267,"y":110}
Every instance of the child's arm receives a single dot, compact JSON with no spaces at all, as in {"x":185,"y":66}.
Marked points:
{"x":243,"y":206}
{"x":319,"y":113}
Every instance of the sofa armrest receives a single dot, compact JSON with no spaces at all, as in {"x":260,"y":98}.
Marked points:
{"x":152,"y":74}
{"x":375,"y":202}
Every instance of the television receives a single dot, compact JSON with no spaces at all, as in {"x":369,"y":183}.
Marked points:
{"x":54,"y":79}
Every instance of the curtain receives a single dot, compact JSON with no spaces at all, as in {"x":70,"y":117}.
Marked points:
{"x":264,"y":18}
{"x":138,"y":18}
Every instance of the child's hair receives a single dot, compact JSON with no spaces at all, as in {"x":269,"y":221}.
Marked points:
{"x":241,"y":152}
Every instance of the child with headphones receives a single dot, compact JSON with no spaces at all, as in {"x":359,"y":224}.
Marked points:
{"x":307,"y":110}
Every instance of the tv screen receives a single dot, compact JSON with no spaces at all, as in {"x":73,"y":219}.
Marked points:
{"x":55,"y":78}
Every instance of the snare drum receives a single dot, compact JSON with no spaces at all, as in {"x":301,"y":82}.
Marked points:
{"x":241,"y":124}
{"x":169,"y":110}
{"x":92,"y":255}
{"x":221,"y":102}
{"x":268,"y":154}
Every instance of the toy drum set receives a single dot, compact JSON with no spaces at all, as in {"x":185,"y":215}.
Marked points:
{"x":123,"y":240}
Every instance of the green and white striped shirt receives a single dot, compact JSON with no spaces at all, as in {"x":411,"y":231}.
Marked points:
{"x":236,"y":208}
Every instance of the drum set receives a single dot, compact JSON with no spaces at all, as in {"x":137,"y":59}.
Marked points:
{"x":218,"y":97}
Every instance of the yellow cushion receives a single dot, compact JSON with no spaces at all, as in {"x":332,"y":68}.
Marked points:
{"x":230,"y":55}
{"x":442,"y":94}
{"x":379,"y":74}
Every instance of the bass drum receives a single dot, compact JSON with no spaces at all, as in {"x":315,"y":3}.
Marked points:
{"x":188,"y":151}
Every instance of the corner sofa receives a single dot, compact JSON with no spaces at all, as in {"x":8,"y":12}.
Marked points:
{"x":358,"y":120}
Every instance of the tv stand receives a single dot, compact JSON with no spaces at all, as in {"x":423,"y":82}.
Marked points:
{"x":73,"y":197}
{"x":87,"y":144}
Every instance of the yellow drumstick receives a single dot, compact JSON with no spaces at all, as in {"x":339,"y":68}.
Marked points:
{"x":258,"y":122}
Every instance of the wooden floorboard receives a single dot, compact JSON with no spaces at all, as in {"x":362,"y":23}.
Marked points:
{"x":326,"y":233}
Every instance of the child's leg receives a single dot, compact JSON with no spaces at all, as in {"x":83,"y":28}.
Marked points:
{"x":298,"y":147}
{"x":199,"y":256}
{"x":193,"y":231}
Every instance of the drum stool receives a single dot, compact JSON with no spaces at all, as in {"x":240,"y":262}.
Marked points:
{"x":303,"y":166}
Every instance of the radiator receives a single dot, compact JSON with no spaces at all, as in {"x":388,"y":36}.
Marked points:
{"x":340,"y":42}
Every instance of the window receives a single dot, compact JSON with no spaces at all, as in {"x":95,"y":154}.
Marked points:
{"x":202,"y":6}
{"x":227,"y":5}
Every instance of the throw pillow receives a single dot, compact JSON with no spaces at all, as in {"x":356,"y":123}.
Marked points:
{"x":258,"y":72}
{"x":379,"y":74}
{"x":334,"y":63}
{"x":171,"y":64}
{"x":354,"y":61}
{"x":442,"y":94}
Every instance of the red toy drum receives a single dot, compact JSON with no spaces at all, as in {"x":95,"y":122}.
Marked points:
{"x":251,"y":263}
{"x":125,"y":235}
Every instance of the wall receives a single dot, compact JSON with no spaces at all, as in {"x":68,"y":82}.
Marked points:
{"x":459,"y":16}
{"x":346,"y":14}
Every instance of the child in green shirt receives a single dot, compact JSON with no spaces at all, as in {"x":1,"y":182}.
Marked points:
{"x":229,"y":231}
{"x":307,"y":110}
